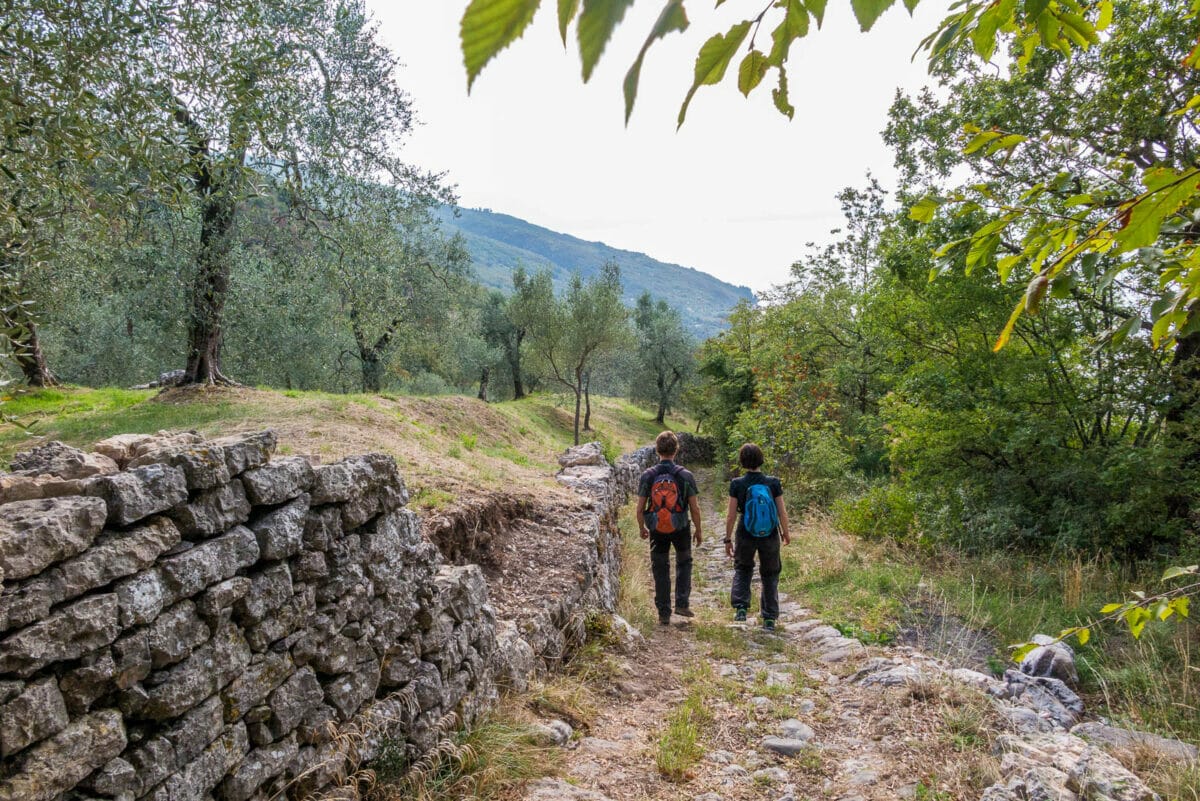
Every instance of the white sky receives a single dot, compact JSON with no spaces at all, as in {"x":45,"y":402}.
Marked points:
{"x":737,"y":192}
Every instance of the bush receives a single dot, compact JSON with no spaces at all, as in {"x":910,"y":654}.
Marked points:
{"x":885,"y":511}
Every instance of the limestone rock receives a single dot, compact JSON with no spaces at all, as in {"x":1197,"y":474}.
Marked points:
{"x":1112,"y":738}
{"x":259,"y":765}
{"x":35,"y":714}
{"x":292,"y":702}
{"x":278,"y":481}
{"x":246,"y":451}
{"x":589,"y":453}
{"x":124,"y":447}
{"x":560,"y":790}
{"x":202,"y":464}
{"x":69,"y":633}
{"x":213,"y":511}
{"x":141,"y":598}
{"x":56,"y":765}
{"x":793,"y":729}
{"x":208,"y":669}
{"x":347,"y":693}
{"x":37,"y":534}
{"x":62,"y":461}
{"x":175,"y":634}
{"x":1050,"y":696}
{"x":200,"y":776}
{"x":280,"y":532}
{"x":189,"y":572}
{"x":555,"y":732}
{"x":140,"y":492}
{"x":1052,"y":659}
{"x":269,"y":590}
{"x":786,"y":746}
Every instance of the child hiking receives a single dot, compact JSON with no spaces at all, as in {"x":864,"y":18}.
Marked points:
{"x":756,"y":508}
{"x":667,"y":495}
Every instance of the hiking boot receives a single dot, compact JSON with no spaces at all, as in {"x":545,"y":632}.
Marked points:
{"x":684,"y":611}
{"x":768,"y":624}
{"x":740,"y":615}
{"x":664,"y":620}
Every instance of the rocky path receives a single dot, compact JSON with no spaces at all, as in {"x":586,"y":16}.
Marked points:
{"x":805,"y":713}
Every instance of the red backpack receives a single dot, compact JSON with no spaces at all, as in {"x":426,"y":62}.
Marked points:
{"x":665,"y":512}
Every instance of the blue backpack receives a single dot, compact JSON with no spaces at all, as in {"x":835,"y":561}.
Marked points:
{"x":759,"y":514}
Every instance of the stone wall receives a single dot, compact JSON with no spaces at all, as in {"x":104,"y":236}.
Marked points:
{"x":188,"y":619}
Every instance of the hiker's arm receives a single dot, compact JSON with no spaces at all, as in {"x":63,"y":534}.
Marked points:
{"x":694,"y":508}
{"x":642,"y":530}
{"x":783,"y":520}
{"x":730,"y":522}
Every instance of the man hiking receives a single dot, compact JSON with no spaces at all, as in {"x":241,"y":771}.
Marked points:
{"x":756,"y":507}
{"x":666,"y":495}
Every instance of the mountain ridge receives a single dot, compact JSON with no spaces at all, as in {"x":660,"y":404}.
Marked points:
{"x":500,"y":242}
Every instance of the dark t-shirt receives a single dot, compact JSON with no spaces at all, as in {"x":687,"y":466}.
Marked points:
{"x":739,"y":487}
{"x":686,"y":480}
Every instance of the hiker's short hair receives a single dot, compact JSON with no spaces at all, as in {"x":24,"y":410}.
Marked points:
{"x":750,"y":456}
{"x":666,"y":444}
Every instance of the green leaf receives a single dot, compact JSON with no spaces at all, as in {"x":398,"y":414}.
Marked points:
{"x":1124,"y":330}
{"x":817,"y":9}
{"x":672,"y":18}
{"x":1021,"y":650}
{"x":713,"y":59}
{"x":596,"y":25}
{"x":489,"y":26}
{"x":868,"y":11}
{"x":924,"y":210}
{"x":1137,"y":617}
{"x":1006,"y":332}
{"x":911,"y":5}
{"x":1175,"y":572}
{"x":1142,"y":218}
{"x":793,"y":26}
{"x":1181,"y":606}
{"x":1083,"y":634}
{"x":750,"y":74}
{"x":567,"y":9}
{"x":779,"y":96}
{"x":1108,"y":609}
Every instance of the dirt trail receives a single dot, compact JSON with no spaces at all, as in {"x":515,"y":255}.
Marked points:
{"x":847,"y":741}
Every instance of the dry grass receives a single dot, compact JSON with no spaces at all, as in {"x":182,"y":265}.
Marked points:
{"x":635,"y":601}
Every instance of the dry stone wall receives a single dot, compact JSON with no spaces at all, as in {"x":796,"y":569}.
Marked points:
{"x":189,"y":619}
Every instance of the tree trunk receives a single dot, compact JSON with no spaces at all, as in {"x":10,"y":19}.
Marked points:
{"x":587,"y":400}
{"x":661,"y":417}
{"x":578,"y":397}
{"x":1180,"y":425}
{"x":514,"y":363}
{"x":483,"y":384}
{"x":372,"y":370}
{"x":27,"y":351}
{"x":205,"y":331}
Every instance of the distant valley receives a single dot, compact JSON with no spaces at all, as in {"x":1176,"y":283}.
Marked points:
{"x":499,"y":243}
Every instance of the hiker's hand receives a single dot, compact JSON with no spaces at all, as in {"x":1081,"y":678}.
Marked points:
{"x":644,"y":533}
{"x":729,"y":548}
{"x":786,"y":538}
{"x":696,"y":538}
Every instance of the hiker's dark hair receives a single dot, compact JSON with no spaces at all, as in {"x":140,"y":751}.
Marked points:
{"x":750,"y":456}
{"x":666,"y":444}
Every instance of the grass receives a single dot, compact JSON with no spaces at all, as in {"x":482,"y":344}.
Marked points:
{"x":635,"y":598}
{"x":679,"y":745}
{"x":487,"y":762}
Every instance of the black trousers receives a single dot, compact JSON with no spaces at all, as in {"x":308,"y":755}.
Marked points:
{"x":660,"y":567}
{"x":769,"y":568}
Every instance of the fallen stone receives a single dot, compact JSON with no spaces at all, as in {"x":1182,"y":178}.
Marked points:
{"x":560,"y":790}
{"x":786,"y":746}
{"x":1115,"y":739}
{"x":774,"y":775}
{"x":37,"y":534}
{"x":793,"y":729}
{"x":1051,"y":659}
{"x":554,"y":732}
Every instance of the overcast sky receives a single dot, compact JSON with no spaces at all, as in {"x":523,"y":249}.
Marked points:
{"x":737,"y":192}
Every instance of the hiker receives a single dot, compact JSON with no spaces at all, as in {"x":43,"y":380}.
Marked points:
{"x":666,"y":495}
{"x":756,"y":506}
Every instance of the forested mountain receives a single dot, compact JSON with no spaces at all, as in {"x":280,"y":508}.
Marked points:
{"x":498,"y":243}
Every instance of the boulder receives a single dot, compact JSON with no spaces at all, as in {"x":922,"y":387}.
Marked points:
{"x":589,"y":453}
{"x":37,"y":534}
{"x":1052,"y":659}
{"x":1051,"y":697}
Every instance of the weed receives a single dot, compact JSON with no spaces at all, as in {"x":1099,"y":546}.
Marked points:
{"x":635,"y":601}
{"x":679,"y":747}
{"x":469,"y":441}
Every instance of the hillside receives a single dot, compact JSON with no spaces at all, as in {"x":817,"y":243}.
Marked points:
{"x":499,"y":243}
